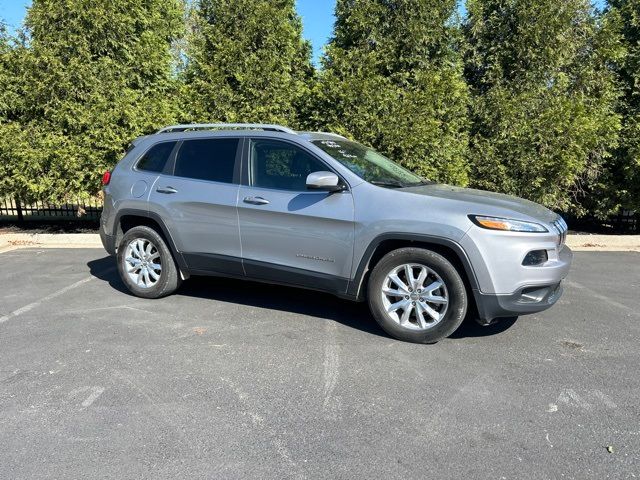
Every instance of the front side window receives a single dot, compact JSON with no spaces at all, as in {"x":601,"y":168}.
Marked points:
{"x":370,"y":165}
{"x":156,"y":157}
{"x":211,"y":159}
{"x":281,"y":165}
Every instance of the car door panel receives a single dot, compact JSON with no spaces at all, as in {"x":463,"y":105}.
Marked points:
{"x":303,"y":237}
{"x":305,"y":230}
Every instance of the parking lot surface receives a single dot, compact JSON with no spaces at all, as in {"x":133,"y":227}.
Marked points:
{"x":231,"y":379}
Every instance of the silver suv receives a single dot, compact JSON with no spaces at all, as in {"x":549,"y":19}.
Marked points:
{"x":318,"y":211}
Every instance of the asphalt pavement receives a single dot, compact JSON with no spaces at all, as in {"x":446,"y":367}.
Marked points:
{"x":232,"y":379}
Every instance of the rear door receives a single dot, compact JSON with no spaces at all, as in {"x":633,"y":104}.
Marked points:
{"x":291,"y":234}
{"x":197,"y":199}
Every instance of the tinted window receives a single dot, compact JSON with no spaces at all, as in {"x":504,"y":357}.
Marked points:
{"x":156,"y":157}
{"x":210,"y":159}
{"x":281,"y":165}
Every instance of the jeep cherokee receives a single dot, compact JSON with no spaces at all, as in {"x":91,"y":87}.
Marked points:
{"x":319,"y":211}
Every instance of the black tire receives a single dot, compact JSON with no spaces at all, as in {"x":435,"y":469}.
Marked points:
{"x":169,"y":278}
{"x":457,"y":295}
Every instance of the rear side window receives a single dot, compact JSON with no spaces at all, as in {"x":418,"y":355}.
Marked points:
{"x":208,"y":159}
{"x":156,"y":157}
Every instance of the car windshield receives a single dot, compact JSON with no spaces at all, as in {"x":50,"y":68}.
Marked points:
{"x":370,"y":165}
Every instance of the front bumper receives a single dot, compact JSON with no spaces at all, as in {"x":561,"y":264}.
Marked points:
{"x":526,"y":300}
{"x":497,"y":260}
{"x":506,"y":287}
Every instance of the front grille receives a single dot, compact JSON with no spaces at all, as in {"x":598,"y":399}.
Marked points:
{"x":561,"y":227}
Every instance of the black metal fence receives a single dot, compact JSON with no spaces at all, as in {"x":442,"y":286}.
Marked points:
{"x":13,"y":209}
{"x":626,"y":222}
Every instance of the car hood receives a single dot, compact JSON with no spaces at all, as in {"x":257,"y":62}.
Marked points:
{"x":483,"y":198}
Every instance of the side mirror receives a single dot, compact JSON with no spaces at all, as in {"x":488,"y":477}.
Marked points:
{"x":327,"y":181}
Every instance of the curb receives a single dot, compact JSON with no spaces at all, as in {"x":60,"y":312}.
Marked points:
{"x":14,"y":241}
{"x":604,"y":243}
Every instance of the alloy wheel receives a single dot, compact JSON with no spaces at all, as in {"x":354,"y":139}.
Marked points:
{"x":415,"y":296}
{"x":142,"y":262}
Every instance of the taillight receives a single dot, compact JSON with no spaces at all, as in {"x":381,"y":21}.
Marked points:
{"x":106,"y":178}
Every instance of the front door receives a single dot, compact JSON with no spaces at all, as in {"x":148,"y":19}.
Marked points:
{"x":288,"y":233}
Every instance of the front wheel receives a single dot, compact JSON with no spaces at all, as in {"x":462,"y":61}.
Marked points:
{"x":146,"y":265}
{"x":417,"y":295}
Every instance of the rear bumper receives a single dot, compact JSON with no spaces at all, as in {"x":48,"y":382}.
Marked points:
{"x":526,"y":300}
{"x":108,"y":241}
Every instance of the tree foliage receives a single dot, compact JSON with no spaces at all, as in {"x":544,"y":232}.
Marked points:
{"x":544,"y":98}
{"x":10,"y":99}
{"x":536,"y":98}
{"x":247,"y":62}
{"x":392,"y":78}
{"x":624,"y":171}
{"x":92,"y":76}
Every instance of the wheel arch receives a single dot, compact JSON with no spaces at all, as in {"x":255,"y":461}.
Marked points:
{"x":386,"y":243}
{"x":129,"y":218}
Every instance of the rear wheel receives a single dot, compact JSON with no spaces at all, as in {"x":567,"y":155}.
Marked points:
{"x":417,"y":295}
{"x":146,"y":265}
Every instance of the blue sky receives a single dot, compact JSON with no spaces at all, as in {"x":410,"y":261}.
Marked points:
{"x":317,"y":18}
{"x":12,"y":11}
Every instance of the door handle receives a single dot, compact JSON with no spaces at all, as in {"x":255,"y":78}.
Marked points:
{"x":256,"y":200}
{"x":166,"y":190}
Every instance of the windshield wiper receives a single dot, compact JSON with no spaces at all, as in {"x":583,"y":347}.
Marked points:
{"x":421,"y":183}
{"x":389,"y":184}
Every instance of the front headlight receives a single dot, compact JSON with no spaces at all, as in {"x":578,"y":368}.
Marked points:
{"x":507,"y":224}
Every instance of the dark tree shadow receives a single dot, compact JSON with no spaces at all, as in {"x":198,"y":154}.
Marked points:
{"x":287,"y":299}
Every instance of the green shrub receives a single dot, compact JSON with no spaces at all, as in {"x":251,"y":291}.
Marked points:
{"x":91,"y":77}
{"x":247,"y":62}
{"x":544,"y":117}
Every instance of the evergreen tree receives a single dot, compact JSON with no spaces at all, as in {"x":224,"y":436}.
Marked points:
{"x":92,"y":76}
{"x":543,"y":111}
{"x":247,"y":62}
{"x":11,"y":106}
{"x":625,"y":171}
{"x":9,"y":95}
{"x":393,"y":78}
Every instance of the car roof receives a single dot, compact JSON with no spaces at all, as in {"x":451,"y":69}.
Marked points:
{"x":311,"y":136}
{"x":179,"y":132}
